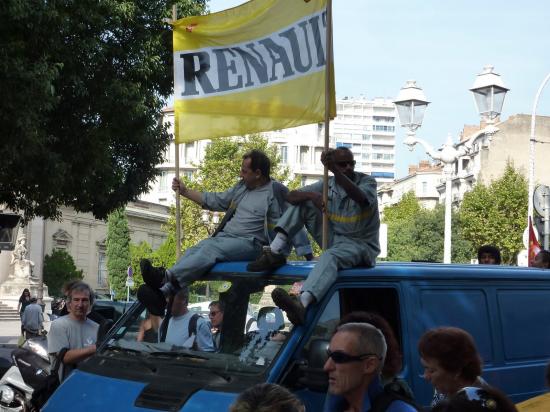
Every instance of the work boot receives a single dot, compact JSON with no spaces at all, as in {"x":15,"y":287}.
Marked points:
{"x":295,"y":311}
{"x":267,"y":261}
{"x":152,"y":276}
{"x":153,"y":299}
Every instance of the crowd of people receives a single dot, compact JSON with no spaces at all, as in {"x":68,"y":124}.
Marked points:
{"x":263,"y":220}
{"x":362,"y":366}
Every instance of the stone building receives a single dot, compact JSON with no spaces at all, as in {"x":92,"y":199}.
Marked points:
{"x":422,"y":179}
{"x":83,"y":237}
{"x":492,"y":151}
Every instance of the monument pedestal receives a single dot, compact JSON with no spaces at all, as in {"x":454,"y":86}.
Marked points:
{"x":21,"y":278}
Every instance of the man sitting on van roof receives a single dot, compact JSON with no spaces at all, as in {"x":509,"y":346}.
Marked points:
{"x":355,"y":360}
{"x":251,"y":208}
{"x":354,"y":224}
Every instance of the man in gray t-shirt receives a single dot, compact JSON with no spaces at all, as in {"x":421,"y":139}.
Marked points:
{"x":74,"y":331}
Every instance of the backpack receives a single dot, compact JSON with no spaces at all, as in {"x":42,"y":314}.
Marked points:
{"x":395,"y":390}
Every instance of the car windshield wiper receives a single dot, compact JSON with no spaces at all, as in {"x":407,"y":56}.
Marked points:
{"x":121,"y":349}
{"x":177,"y":355}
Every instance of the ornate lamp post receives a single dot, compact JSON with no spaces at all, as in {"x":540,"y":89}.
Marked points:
{"x":489,"y":92}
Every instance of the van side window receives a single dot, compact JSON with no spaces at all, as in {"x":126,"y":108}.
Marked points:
{"x":382,"y":301}
{"x":307,"y":372}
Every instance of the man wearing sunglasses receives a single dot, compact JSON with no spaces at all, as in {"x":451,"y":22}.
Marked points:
{"x":216,"y":309}
{"x":354,"y":223}
{"x":355,"y":359}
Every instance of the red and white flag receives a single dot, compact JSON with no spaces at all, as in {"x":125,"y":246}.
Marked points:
{"x":534,"y":245}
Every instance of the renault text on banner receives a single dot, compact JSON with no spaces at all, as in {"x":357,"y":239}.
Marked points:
{"x":257,"y":67}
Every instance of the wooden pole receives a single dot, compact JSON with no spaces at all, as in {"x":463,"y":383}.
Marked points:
{"x":328,"y":80}
{"x":177,"y":160}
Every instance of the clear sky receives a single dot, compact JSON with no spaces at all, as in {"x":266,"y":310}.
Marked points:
{"x":443,"y":45}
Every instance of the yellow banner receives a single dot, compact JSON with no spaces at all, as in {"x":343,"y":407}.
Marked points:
{"x":257,"y":67}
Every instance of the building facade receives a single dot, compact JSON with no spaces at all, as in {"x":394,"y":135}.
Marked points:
{"x":422,"y":179}
{"x":492,"y":151}
{"x":83,"y":237}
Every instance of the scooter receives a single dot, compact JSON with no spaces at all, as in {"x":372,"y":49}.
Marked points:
{"x":30,"y":361}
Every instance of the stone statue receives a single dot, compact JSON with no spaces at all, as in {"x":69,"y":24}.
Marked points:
{"x":20,"y":251}
{"x":22,"y":267}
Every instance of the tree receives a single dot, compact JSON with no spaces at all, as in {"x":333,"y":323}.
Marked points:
{"x":417,"y":234}
{"x":59,"y":268}
{"x":139,"y":251}
{"x":495,"y":214}
{"x":83,"y":85}
{"x":399,"y":219}
{"x":118,"y":251}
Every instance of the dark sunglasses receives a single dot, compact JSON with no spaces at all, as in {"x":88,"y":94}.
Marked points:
{"x":344,"y":163}
{"x":478,"y":396}
{"x":343,"y":357}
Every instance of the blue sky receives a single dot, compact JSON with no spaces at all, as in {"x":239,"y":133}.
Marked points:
{"x":443,"y":45}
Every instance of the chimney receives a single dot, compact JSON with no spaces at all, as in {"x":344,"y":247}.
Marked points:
{"x":424,"y":165}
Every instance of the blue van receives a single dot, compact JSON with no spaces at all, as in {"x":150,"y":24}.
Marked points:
{"x":506,"y":309}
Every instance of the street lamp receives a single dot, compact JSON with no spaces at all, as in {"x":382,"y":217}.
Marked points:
{"x":489,"y":92}
{"x":411,"y":104}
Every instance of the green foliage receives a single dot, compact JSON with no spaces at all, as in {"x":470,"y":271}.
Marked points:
{"x":416,"y":233}
{"x":59,"y":268}
{"x":118,"y":251}
{"x":403,"y":210}
{"x":137,"y":252}
{"x":495,"y":214}
{"x":83,"y":86}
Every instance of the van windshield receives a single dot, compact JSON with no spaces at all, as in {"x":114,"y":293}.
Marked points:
{"x":227,"y":325}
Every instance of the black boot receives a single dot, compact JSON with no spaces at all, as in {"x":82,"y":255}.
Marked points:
{"x":153,"y":299}
{"x":295,"y":311}
{"x":268,"y":261}
{"x":152,"y":276}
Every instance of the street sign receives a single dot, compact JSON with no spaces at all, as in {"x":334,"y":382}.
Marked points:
{"x":541,"y":199}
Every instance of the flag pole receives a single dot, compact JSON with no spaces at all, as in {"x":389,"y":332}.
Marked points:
{"x":177,"y":157}
{"x":328,"y":79}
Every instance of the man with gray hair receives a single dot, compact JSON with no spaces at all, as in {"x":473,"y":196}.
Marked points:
{"x":355,"y":359}
{"x":74,"y":332}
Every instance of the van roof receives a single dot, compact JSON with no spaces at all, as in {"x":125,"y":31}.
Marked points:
{"x":415,"y":270}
